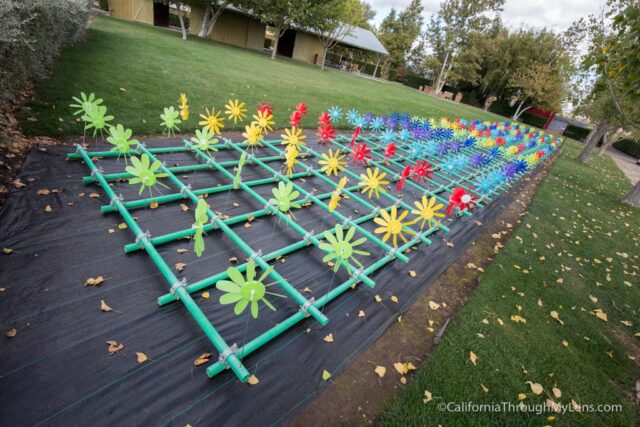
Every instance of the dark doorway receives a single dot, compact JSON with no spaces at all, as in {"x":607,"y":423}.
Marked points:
{"x":160,"y":14}
{"x":286,"y":43}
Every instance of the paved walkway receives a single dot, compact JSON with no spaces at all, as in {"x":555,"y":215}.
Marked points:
{"x":626,"y":163}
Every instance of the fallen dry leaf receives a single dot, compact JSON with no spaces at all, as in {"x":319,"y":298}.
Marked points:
{"x":484,"y":388}
{"x":556,"y":392}
{"x":141,"y":357}
{"x":122,"y":226}
{"x":97,"y":281}
{"x":7,"y":251}
{"x":11,"y":333}
{"x":48,"y":209}
{"x":154,"y":204}
{"x":555,"y":316}
{"x":434,"y":305}
{"x":377,"y":298}
{"x":328,"y":338}
{"x":412,"y":273}
{"x":473,"y":357}
{"x":183,"y":207}
{"x":380,"y":370}
{"x":253,"y":380}
{"x":326,"y":375}
{"x":94,"y":195}
{"x":600,"y":314}
{"x":202,"y":359}
{"x":43,"y":191}
{"x":114,"y":347}
{"x":404,"y":368}
{"x":361,"y":313}
{"x":394,"y":298}
{"x":104,"y":307}
{"x":535,"y":387}
{"x":205,"y":295}
{"x":181,"y":250}
{"x":180,"y":266}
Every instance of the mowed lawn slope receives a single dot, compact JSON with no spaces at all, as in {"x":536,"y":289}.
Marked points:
{"x":559,"y":306}
{"x":138,"y":70}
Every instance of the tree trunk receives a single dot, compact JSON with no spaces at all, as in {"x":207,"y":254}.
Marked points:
{"x":437,"y":86}
{"x":324,"y":56}
{"x":375,"y":70}
{"x":608,"y":140}
{"x":275,"y":45}
{"x":205,"y":21}
{"x":182,"y":27}
{"x":520,"y":110}
{"x":633,"y":197}
{"x":386,"y":66}
{"x":592,"y":140}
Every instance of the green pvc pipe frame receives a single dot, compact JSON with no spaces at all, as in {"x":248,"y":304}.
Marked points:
{"x":227,"y":353}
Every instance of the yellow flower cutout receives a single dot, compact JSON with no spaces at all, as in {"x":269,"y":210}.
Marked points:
{"x":488,"y":142}
{"x":336,"y":196}
{"x":291,"y":158}
{"x":184,"y":108}
{"x":263,"y":120}
{"x":532,"y":159}
{"x":428,"y":211}
{"x":332,"y":162}
{"x":212,"y":120}
{"x":373,"y":182}
{"x":293,"y":137}
{"x":235,"y":110}
{"x":252,"y":135}
{"x":391,"y":225}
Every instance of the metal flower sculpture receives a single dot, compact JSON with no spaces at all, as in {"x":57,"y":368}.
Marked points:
{"x":144,"y":172}
{"x":204,"y":140}
{"x":361,"y":155}
{"x":235,"y":110}
{"x":119,"y":137}
{"x":201,"y":219}
{"x":373,"y":182}
{"x":335,"y":113}
{"x":284,"y":197}
{"x":427,"y":210}
{"x":332,"y":162}
{"x":393,"y":225}
{"x":85,"y":104}
{"x":170,"y":120}
{"x":340,"y":248}
{"x":247,"y":291}
{"x":96,"y":118}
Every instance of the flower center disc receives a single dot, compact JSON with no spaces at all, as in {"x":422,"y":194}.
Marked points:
{"x":394,"y":226}
{"x":148,"y":178}
{"x":465,"y":199}
{"x":344,"y":250}
{"x":253,"y":291}
{"x":373,"y":183}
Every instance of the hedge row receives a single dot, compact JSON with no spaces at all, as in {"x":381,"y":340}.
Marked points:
{"x":628,"y":146}
{"x":32,"y":33}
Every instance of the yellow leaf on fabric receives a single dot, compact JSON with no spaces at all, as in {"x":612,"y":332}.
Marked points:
{"x":141,"y":357}
{"x":94,"y":281}
{"x":181,"y":250}
{"x":48,"y":208}
{"x":434,"y":305}
{"x":428,"y":397}
{"x":122,"y":226}
{"x":104,"y":307}
{"x":11,"y":333}
{"x":449,"y":244}
{"x":180,"y":266}
{"x":43,"y":192}
{"x":473,"y":357}
{"x":94,"y":195}
{"x":394,"y":298}
{"x":202,"y":359}
{"x":154,"y":204}
{"x":183,"y":207}
{"x":307,"y":290}
{"x":7,"y":251}
{"x":600,"y":314}
{"x":326,"y":375}
{"x":361,"y":313}
{"x":205,"y":295}
{"x":380,"y":370}
{"x":412,"y":273}
{"x":535,"y":387}
{"x":377,"y":298}
{"x":114,"y":347}
{"x":329,"y":338}
{"x":253,"y":380}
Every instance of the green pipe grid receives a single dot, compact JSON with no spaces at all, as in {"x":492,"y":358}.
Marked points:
{"x":227,"y":353}
{"x":305,"y":304}
{"x":308,"y":235}
{"x":230,"y":356}
{"x":159,"y":240}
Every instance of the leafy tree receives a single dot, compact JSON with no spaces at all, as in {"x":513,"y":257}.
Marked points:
{"x":449,"y":31}
{"x":398,"y":32}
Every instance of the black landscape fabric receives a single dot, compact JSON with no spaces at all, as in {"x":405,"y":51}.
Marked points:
{"x":57,"y":370}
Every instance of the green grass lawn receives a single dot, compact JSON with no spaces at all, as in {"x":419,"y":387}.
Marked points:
{"x":138,"y":70}
{"x":576,"y":251}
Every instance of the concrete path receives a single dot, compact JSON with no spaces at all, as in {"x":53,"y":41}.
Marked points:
{"x":626,"y":163}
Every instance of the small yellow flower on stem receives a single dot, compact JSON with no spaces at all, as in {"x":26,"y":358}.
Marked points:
{"x":373,"y":182}
{"x":212,"y":120}
{"x":392,"y":225}
{"x":332,"y":162}
{"x":427,"y":211}
{"x":235,"y":110}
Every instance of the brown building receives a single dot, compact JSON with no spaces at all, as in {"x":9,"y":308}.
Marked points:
{"x":241,"y":29}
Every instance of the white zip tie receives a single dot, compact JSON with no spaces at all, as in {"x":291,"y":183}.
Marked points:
{"x":184,"y":188}
{"x":356,"y":274}
{"x":305,"y":307}
{"x":222,"y":358}
{"x":181,"y":284}
{"x":113,"y":201}
{"x":143,"y":236}
{"x":392,"y":252}
{"x":96,"y":171}
{"x":346,"y":221}
{"x":255,"y":255}
{"x":308,"y":236}
{"x":141,"y":145}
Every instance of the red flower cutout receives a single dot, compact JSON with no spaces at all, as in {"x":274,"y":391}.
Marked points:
{"x":390,"y":150}
{"x":521,"y":147}
{"x":422,"y":170}
{"x":361,"y":154}
{"x":355,"y":136}
{"x":302,"y":108}
{"x":295,"y":118}
{"x":540,"y":154}
{"x":460,"y":199}
{"x":406,"y":172}
{"x":326,"y":133}
{"x":500,"y":140}
{"x":262,"y":108}
{"x":324,"y":118}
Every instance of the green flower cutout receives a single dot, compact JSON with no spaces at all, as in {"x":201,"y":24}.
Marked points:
{"x":170,"y":120}
{"x":201,"y":219}
{"x":204,"y":140}
{"x":119,"y":137}
{"x":284,"y":197}
{"x":341,"y":248}
{"x":85,"y":104}
{"x":238,"y":176}
{"x":96,"y":119}
{"x":144,"y":172}
{"x":245,"y":291}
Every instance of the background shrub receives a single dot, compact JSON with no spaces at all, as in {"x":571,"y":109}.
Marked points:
{"x":628,"y":146}
{"x":32,"y":33}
